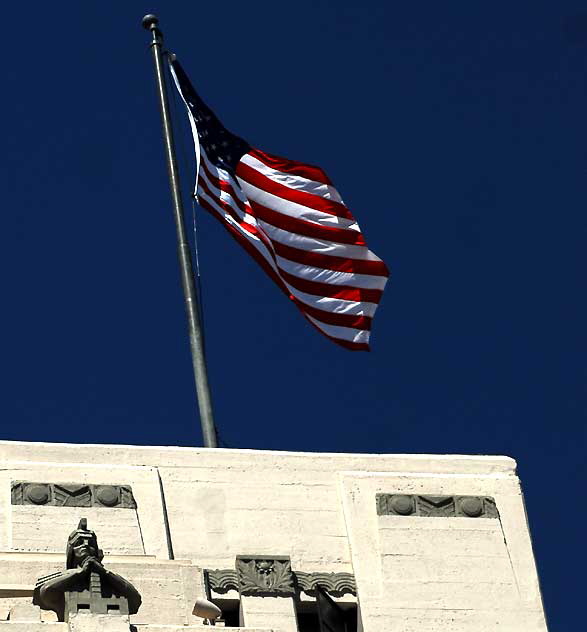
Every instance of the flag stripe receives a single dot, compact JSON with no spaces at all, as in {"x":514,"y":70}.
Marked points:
{"x":326,"y":191}
{"x":327,"y":304}
{"x":333,"y":277}
{"x":293,"y":209}
{"x":343,"y":333}
{"x":343,"y":264}
{"x":310,"y":200}
{"x":332,"y":291}
{"x":301,"y":227}
{"x":291,"y":166}
{"x":213,"y":182}
{"x":301,"y":242}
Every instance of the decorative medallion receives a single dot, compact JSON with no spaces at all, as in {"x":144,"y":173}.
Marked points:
{"x":72,"y":495}
{"x":436,"y":506}
{"x":38,"y":494}
{"x":264,"y":576}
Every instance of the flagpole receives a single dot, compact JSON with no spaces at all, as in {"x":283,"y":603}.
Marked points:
{"x":185,"y":261}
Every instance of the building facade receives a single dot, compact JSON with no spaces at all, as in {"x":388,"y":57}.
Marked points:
{"x":283,"y":541}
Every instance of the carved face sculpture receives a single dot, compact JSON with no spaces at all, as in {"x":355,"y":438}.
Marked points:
{"x":83,"y":547}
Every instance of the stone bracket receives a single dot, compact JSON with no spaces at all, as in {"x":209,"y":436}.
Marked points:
{"x":436,"y":506}
{"x":72,"y":495}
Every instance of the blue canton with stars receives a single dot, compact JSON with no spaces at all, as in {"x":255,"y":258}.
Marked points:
{"x":222,"y":147}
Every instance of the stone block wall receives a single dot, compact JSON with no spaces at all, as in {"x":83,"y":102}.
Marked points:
{"x":430,"y":543}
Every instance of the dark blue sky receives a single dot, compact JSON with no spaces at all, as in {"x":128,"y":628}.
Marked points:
{"x":456,"y":134}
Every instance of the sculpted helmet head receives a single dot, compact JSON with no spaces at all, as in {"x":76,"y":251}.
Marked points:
{"x":81,"y":544}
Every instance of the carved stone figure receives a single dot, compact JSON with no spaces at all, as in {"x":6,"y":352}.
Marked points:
{"x":86,"y":585}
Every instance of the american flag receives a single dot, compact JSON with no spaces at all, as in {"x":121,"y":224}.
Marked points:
{"x":289,"y":217}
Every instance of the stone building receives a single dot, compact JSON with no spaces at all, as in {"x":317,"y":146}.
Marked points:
{"x":283,"y":541}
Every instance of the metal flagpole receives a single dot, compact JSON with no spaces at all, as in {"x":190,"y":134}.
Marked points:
{"x":185,"y":262}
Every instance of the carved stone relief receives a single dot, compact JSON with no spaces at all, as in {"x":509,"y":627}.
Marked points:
{"x":263,"y":575}
{"x":72,"y":495}
{"x":254,"y":578}
{"x":222,"y":580}
{"x":336,"y":584}
{"x":436,"y":506}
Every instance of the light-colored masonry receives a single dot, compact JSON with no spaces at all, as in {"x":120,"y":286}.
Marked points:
{"x":400,"y":543}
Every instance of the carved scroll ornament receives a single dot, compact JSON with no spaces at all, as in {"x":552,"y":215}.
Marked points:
{"x":333,"y":583}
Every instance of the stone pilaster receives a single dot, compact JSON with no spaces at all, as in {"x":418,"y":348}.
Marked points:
{"x":275,"y":613}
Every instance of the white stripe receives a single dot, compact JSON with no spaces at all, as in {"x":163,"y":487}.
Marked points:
{"x":337,"y":305}
{"x":343,"y":333}
{"x":295,"y":210}
{"x":312,"y":244}
{"x":223,"y":175}
{"x":222,"y":195}
{"x":326,"y":191}
{"x":227,"y":197}
{"x":332,"y":277}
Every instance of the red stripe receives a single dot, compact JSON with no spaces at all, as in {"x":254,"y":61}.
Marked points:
{"x":340,"y":264}
{"x":309,"y":229}
{"x":347,"y":344}
{"x":343,"y":292}
{"x":222,"y":203}
{"x":333,"y":318}
{"x":249,"y":228}
{"x":291,"y":166}
{"x":223,"y":185}
{"x":326,"y":317}
{"x":309,"y":200}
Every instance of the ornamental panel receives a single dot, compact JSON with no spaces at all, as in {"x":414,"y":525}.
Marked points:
{"x":72,"y":495}
{"x":264,"y":575}
{"x":436,"y":506}
{"x":223,"y":580}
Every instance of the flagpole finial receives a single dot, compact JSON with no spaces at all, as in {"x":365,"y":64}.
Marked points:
{"x":150,"y":21}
